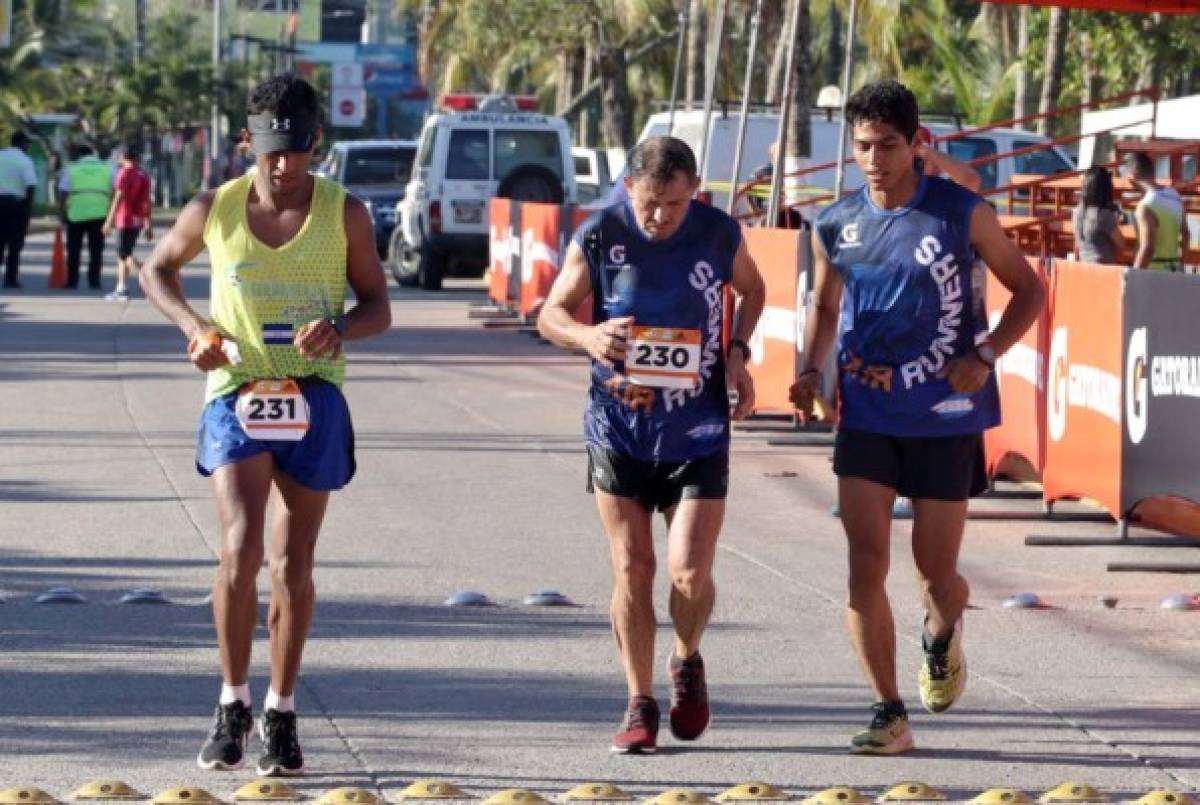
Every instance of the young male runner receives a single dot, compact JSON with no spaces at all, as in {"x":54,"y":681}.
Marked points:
{"x":895,"y":263}
{"x":283,"y":246}
{"x":657,"y":417}
{"x":130,"y":214}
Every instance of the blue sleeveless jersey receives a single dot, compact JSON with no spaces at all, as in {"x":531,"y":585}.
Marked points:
{"x":913,"y":301}
{"x":678,"y":282}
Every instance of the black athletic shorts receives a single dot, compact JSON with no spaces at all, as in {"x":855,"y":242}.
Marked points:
{"x":938,"y":468}
{"x":658,"y":484}
{"x":126,"y":240}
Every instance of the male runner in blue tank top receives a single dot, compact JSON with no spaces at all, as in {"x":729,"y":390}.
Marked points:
{"x":896,"y":281}
{"x":657,"y":417}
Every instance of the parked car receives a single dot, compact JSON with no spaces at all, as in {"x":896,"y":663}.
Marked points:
{"x":375,"y":171}
{"x":475,"y":149}
{"x":595,"y":171}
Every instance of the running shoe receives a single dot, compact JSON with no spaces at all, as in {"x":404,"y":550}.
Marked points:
{"x":225,"y":748}
{"x":690,"y":712}
{"x":944,"y":670}
{"x":281,"y":747}
{"x":639,"y":730}
{"x":888,"y":734}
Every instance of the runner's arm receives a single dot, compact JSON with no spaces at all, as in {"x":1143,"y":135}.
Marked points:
{"x":372,"y":313}
{"x":556,"y":323}
{"x":160,"y":276}
{"x":1012,"y":269}
{"x":752,"y":294}
{"x":820,"y":329}
{"x":958,"y":171}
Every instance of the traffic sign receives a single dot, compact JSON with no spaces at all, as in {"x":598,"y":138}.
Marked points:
{"x":348,"y":107}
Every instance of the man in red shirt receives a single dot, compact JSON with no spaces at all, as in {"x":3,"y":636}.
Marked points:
{"x":130,"y":214}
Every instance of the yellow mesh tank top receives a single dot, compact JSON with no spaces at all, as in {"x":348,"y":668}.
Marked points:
{"x":261,"y":296}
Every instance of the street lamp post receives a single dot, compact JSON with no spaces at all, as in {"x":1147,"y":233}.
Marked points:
{"x":214,"y":135}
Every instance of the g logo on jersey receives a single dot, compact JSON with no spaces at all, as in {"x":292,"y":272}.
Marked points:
{"x":616,"y":254}
{"x":849,"y":235}
{"x":1136,"y":386}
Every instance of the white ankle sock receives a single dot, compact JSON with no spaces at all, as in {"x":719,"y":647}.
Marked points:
{"x":284,"y":704}
{"x":233,"y":693}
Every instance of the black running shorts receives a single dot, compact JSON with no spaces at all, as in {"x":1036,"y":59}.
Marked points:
{"x":937,"y":468}
{"x":658,"y":484}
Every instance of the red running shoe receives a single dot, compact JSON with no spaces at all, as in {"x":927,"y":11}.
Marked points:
{"x":639,"y":730}
{"x":690,"y":713}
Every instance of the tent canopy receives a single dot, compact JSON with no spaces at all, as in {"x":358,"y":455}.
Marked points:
{"x":1145,"y":6}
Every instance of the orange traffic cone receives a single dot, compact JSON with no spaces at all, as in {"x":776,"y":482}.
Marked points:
{"x":58,"y":262}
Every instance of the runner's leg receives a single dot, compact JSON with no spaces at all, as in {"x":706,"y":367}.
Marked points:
{"x":241,"y":490}
{"x":298,"y":513}
{"x":937,"y":537}
{"x":693,"y":528}
{"x":631,"y":542}
{"x":866,"y":509}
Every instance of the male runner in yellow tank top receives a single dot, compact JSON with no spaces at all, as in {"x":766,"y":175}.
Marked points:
{"x":283,"y":245}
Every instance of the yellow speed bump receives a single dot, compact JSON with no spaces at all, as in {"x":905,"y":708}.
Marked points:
{"x":596,"y":792}
{"x":678,"y":796}
{"x":184,"y":796}
{"x":349,"y":796}
{"x":514,"y":796}
{"x":1161,"y":796}
{"x":26,"y":795}
{"x":1002,"y":796}
{"x":838,"y":795}
{"x":1073,"y":792}
{"x":107,"y":789}
{"x":432,"y":789}
{"x":751,"y":792}
{"x":912,"y":791}
{"x":263,"y":790}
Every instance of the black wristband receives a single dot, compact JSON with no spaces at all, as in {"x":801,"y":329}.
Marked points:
{"x":813,"y":371}
{"x":339,"y":325}
{"x":743,"y":346}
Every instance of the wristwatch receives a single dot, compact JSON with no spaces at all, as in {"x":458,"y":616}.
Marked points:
{"x":339,"y":325}
{"x":986,"y":353}
{"x":743,"y":346}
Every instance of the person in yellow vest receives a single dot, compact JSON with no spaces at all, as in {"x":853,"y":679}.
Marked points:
{"x":283,"y":245}
{"x":1161,"y":226}
{"x":84,"y":190}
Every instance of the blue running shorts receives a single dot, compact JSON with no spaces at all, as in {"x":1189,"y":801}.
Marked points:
{"x":322,"y":460}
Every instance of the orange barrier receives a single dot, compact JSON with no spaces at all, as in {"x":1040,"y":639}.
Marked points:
{"x":501,"y":240}
{"x":58,"y":262}
{"x":1021,"y":375}
{"x":776,"y":343}
{"x":1083,"y":410}
{"x":541,"y":232}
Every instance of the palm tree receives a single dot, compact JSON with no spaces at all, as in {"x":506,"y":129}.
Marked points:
{"x":1056,"y":46}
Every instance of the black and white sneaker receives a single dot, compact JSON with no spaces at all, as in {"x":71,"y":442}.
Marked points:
{"x":281,"y":747}
{"x":225,"y":748}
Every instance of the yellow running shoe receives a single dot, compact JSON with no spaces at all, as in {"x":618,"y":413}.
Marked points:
{"x":944,"y":670}
{"x":888,"y":734}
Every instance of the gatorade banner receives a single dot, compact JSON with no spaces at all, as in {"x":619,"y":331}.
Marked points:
{"x":1083,"y":389}
{"x":540,"y":257}
{"x":1161,"y":399}
{"x":777,"y":341}
{"x":1021,"y":376}
{"x":502,"y":242}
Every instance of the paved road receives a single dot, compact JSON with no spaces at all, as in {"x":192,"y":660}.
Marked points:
{"x":471,"y":477}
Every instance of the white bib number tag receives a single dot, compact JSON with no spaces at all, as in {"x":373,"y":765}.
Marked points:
{"x":273,"y":410}
{"x":665,"y":357}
